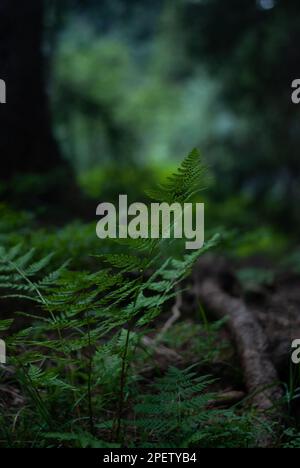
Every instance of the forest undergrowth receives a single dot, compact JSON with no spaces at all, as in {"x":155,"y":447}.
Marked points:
{"x":106,"y":346}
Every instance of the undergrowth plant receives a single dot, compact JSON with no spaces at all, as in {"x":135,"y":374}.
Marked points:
{"x":73,"y":362}
{"x":179,"y":412}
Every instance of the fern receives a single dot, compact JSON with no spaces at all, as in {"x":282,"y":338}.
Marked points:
{"x":177,"y":412}
{"x":20,"y":273}
{"x":189,"y":180}
{"x":177,"y":402}
{"x":86,"y":327}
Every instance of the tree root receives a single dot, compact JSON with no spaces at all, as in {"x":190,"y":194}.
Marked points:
{"x":261,"y":377}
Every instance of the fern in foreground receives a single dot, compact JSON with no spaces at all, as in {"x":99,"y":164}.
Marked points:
{"x":74,"y":363}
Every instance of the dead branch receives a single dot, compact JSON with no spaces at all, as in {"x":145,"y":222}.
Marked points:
{"x":173,"y":318}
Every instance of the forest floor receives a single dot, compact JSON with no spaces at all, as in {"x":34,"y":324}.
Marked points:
{"x":234,"y":322}
{"x":194,"y":331}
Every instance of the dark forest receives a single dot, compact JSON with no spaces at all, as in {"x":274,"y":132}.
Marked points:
{"x":137,"y":341}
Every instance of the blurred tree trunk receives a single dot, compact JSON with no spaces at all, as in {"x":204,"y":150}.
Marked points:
{"x":27,"y":145}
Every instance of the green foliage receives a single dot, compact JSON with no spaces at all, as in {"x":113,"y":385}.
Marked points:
{"x":183,"y":184}
{"x":199,"y":341}
{"x":264,"y":240}
{"x":178,"y":413}
{"x":292,"y":438}
{"x":132,"y":180}
{"x":176,"y":405}
{"x":75,"y":359}
{"x":251,"y":278}
{"x":77,"y":364}
{"x":18,"y":273}
{"x":292,"y":260}
{"x":255,"y":154}
{"x":132,"y":111}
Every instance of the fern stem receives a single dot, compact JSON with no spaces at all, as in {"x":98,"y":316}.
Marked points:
{"x":25,"y":277}
{"x":89,"y":386}
{"x":122,"y":386}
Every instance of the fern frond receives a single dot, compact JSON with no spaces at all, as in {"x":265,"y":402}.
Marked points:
{"x":189,"y":180}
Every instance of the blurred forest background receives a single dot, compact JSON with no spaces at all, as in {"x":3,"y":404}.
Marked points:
{"x":120,"y":90}
{"x":105,"y":98}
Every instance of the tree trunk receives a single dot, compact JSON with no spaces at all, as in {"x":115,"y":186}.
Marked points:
{"x":27,"y":145}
